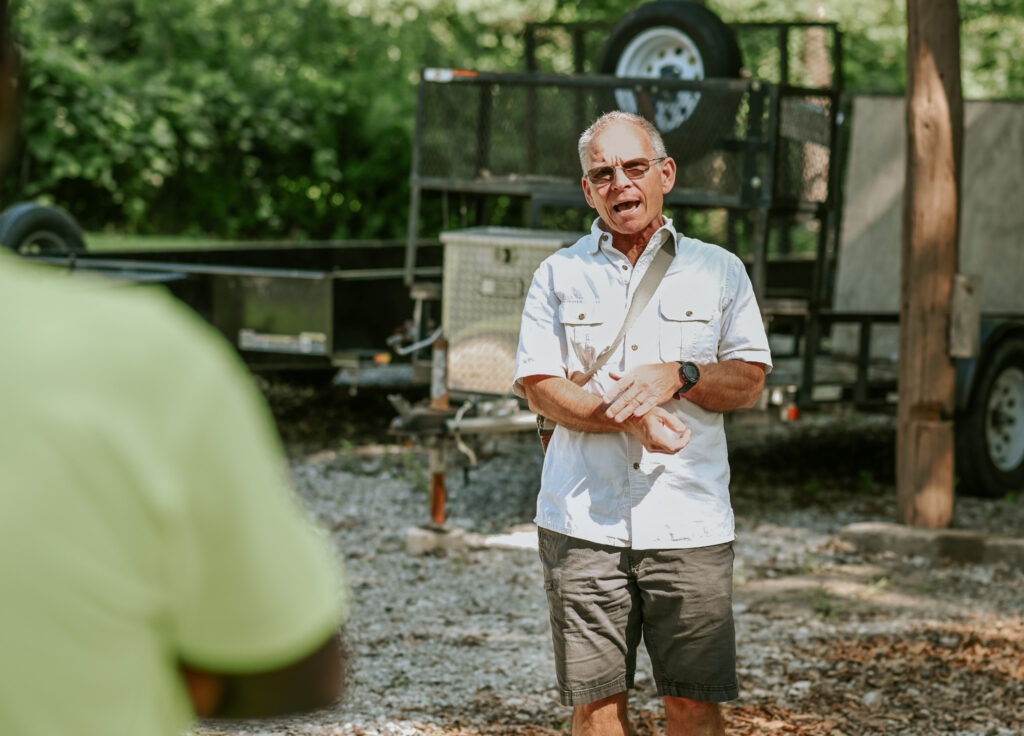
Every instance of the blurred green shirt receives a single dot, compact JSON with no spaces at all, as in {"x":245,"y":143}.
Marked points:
{"x":144,"y":513}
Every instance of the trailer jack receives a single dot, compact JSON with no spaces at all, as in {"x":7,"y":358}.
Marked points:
{"x":438,"y":429}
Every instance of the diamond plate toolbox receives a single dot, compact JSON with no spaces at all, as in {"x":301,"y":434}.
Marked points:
{"x":487,"y":271}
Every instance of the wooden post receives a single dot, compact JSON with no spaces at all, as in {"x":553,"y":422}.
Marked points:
{"x":931,"y":205}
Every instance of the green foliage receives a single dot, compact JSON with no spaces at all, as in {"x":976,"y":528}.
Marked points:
{"x":227,"y":117}
{"x":992,"y":48}
{"x":249,"y":118}
{"x":875,"y":40}
{"x":874,"y":34}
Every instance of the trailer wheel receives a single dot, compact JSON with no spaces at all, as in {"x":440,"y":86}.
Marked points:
{"x":32,"y":228}
{"x":990,"y":436}
{"x":672,"y":39}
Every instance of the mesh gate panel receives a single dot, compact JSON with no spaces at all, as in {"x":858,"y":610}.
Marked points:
{"x":797,"y":54}
{"x":801,"y":54}
{"x":514,"y":132}
{"x":805,"y":135}
{"x":754,"y":158}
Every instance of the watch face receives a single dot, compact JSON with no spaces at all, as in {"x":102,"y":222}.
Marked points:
{"x":690,"y":374}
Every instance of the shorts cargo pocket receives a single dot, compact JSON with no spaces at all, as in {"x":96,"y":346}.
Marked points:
{"x":584,"y":324}
{"x":687,"y":328}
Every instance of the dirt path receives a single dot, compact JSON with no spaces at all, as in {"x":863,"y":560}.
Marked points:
{"x":456,"y":643}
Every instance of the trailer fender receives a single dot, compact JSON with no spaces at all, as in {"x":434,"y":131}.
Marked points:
{"x":992,"y":332}
{"x":33,"y":228}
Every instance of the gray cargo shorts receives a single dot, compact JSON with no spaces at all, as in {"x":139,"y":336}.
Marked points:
{"x":603,"y":598}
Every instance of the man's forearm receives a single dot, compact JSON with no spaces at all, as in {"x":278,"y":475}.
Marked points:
{"x":568,"y":404}
{"x":316,"y":681}
{"x":732,"y":384}
{"x":575,"y":408}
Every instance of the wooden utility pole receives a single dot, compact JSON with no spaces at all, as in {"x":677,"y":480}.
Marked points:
{"x":931,"y":206}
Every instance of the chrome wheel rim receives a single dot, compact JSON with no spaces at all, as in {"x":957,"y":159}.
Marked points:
{"x":43,"y":241}
{"x":662,"y":52}
{"x":1004,"y":420}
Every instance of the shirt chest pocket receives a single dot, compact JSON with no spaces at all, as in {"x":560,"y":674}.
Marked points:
{"x":585,"y":327}
{"x":687,"y":328}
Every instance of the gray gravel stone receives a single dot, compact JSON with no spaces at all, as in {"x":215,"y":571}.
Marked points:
{"x":459,"y":635}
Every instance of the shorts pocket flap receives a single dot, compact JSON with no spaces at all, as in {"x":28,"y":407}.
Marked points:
{"x":581,"y":313}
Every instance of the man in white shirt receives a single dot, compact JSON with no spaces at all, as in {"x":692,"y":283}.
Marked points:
{"x":634,"y":516}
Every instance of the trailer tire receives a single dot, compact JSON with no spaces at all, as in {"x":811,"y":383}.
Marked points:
{"x":31,"y":228}
{"x":673,"y":39}
{"x":990,"y":434}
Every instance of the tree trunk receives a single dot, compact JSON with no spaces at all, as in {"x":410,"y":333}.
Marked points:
{"x":931,"y":206}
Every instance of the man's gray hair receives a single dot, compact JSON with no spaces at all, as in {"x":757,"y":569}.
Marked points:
{"x":618,"y":116}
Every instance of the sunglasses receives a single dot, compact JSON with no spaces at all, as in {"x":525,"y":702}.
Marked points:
{"x":636,"y":169}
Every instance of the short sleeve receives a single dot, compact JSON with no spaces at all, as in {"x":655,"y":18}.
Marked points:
{"x":258,"y":586}
{"x":743,"y":335}
{"x":542,"y":346}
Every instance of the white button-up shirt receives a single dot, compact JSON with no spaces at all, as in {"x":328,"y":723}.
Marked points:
{"x":605,"y":487}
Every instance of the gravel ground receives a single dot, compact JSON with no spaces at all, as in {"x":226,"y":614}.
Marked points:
{"x":456,"y":642}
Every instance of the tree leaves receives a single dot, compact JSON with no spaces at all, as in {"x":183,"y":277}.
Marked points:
{"x":224,"y":116}
{"x":179,"y":116}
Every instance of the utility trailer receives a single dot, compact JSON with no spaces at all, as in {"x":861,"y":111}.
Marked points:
{"x":323,"y":310}
{"x":762,"y":171}
{"x":754,"y":115}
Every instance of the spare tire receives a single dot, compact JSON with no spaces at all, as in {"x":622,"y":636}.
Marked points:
{"x":31,"y":228}
{"x":672,"y":39}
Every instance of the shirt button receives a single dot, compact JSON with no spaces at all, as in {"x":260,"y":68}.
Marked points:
{"x":625,"y":268}
{"x":582,"y":316}
{"x":636,"y":466}
{"x":635,"y":347}
{"x":689,"y":313}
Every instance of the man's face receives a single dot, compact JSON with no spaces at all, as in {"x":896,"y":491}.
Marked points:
{"x":626,"y":205}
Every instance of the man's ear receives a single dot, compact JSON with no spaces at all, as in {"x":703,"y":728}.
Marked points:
{"x":668,"y":175}
{"x":589,"y":196}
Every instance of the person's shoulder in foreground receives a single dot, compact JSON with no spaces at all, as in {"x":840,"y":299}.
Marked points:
{"x":149,"y":547}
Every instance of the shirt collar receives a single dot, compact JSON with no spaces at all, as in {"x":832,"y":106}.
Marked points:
{"x":601,"y":235}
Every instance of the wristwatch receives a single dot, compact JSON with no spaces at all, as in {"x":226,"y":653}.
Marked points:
{"x":689,"y":374}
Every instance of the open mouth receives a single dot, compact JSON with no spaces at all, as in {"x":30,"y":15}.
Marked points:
{"x":626,"y":206}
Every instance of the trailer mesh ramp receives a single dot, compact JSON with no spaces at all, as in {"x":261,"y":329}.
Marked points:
{"x":797,"y":54}
{"x":805,"y":145}
{"x":517,"y":133}
{"x":738,"y":143}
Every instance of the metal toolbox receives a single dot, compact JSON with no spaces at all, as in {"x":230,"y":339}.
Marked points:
{"x":487,"y":272}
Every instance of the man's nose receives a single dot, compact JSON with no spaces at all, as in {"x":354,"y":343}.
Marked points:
{"x":617,"y":172}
